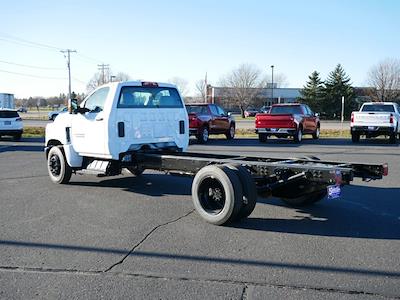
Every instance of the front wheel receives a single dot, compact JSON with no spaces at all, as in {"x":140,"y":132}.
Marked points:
{"x":230,"y":134}
{"x":57,"y":166}
{"x":135,"y":170}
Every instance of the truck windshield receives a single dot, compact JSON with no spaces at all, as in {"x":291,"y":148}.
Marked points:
{"x":149,"y":97}
{"x":378,"y":108}
{"x":287,"y":110}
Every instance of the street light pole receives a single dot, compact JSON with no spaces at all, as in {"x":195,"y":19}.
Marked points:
{"x":272,"y":85}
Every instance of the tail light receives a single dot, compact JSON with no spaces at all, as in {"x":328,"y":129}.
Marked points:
{"x":18,"y":119}
{"x":352,"y":117}
{"x":391,"y":119}
{"x":385,"y":169}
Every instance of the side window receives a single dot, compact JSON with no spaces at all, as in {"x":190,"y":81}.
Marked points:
{"x":214,"y":110}
{"x":96,"y":101}
{"x":221,"y":112}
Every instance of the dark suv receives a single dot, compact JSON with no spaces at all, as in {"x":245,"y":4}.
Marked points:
{"x":206,"y":119}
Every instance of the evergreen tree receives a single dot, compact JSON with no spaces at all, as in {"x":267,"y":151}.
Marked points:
{"x":338,"y":85}
{"x":312,"y":92}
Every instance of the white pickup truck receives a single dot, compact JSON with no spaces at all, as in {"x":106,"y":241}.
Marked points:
{"x":375,"y":119}
{"x":144,"y":125}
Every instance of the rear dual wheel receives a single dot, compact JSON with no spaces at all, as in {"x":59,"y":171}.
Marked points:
{"x":223,"y":194}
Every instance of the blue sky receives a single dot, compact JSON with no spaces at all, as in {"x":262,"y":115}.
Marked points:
{"x":158,"y":40}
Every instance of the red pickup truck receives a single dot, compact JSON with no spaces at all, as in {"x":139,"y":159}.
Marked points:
{"x":284,"y":120}
{"x":206,"y":119}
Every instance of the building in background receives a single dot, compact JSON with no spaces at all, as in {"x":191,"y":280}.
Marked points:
{"x":224,"y":96}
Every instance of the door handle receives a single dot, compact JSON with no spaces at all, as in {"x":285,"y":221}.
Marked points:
{"x":99,"y":119}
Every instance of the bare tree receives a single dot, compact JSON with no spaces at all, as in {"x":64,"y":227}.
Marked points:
{"x":97,"y":79}
{"x":201,"y":88}
{"x":244,"y":84}
{"x":384,"y":78}
{"x":280,"y":80}
{"x":181,"y":84}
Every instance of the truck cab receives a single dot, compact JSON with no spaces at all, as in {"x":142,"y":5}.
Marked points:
{"x":118,"y":118}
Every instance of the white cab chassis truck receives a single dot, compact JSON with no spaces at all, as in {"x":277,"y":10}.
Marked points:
{"x":375,"y":119}
{"x":144,"y":125}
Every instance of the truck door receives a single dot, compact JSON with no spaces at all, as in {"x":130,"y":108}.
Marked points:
{"x":89,"y":129}
{"x":310,"y":119}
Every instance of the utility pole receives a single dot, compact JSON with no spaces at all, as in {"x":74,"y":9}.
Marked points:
{"x":103,"y":67}
{"x":272,"y":85}
{"x":68,"y":57}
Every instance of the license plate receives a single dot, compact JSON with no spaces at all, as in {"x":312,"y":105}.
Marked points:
{"x":7,"y":122}
{"x":371,"y":128}
{"x":334,"y":191}
{"x":273,"y":129}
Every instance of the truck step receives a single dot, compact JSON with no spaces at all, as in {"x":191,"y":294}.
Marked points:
{"x":96,"y":167}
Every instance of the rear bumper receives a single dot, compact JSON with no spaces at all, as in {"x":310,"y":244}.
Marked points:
{"x":11,"y":131}
{"x":276,"y":131}
{"x":372,"y":130}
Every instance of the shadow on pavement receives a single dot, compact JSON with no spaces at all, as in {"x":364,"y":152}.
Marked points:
{"x":364,"y":212}
{"x":146,"y":184}
{"x":197,"y":258}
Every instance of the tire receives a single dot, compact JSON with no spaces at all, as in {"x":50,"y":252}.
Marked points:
{"x":306,"y":199}
{"x":230,"y":134}
{"x":249,"y":200}
{"x":202,"y":137}
{"x":315,"y":134}
{"x":298,"y":136}
{"x":57,"y":166}
{"x":262,"y":137}
{"x":217,"y":194}
{"x":355,"y":137}
{"x":137,"y":171}
{"x":17,"y":137}
{"x":393,"y":138}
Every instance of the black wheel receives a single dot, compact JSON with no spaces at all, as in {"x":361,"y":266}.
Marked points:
{"x":393,"y":138}
{"x":249,"y":190}
{"x":316,"y":134}
{"x":298,"y":136}
{"x":17,"y":137}
{"x":135,"y":170}
{"x":57,"y":166}
{"x":355,"y":137}
{"x":262,"y":137}
{"x":230,"y":134}
{"x":202,"y":137}
{"x":217,"y":194}
{"x":306,"y":199}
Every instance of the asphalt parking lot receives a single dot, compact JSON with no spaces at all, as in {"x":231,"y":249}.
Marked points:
{"x":138,"y":237}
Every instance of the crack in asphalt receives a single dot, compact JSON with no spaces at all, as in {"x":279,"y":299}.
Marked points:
{"x":146,"y":237}
{"x":23,"y":177}
{"x":244,"y":295}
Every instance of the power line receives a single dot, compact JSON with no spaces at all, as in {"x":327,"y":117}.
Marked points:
{"x":34,"y":76}
{"x":29,"y":66}
{"x":103,"y":67}
{"x":11,"y":37}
